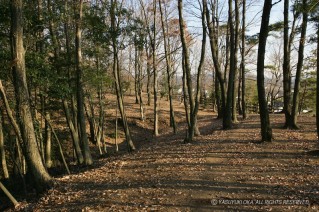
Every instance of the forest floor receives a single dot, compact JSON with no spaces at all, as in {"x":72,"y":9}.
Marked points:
{"x":220,"y":171}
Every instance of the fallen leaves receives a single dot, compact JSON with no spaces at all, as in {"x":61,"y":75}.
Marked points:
{"x":171,"y":176}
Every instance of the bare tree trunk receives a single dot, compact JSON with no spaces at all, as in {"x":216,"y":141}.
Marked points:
{"x":288,"y":40}
{"x":148,"y":72}
{"x":187,"y":67}
{"x":116,"y":127}
{"x":140,"y":84}
{"x":317,"y":84}
{"x":302,"y":41}
{"x":2,"y":149}
{"x":227,"y":119}
{"x":286,"y":66}
{"x":213,"y":38}
{"x":240,"y":111}
{"x":10,"y":114}
{"x":193,"y":103}
{"x":185,"y":96}
{"x":218,"y":99}
{"x":79,"y":81}
{"x":243,"y":62}
{"x":14,"y":140}
{"x":9,"y":195}
{"x":48,"y":139}
{"x":136,"y":82}
{"x":89,"y":108}
{"x":18,"y":168}
{"x":266,"y":131}
{"x":40,"y":176}
{"x":59,"y":145}
{"x":116,"y":73}
{"x":74,"y":133}
{"x":155,"y":74}
{"x":236,"y":43}
{"x":168,"y":68}
{"x":100,"y":125}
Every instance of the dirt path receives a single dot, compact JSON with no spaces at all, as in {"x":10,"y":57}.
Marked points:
{"x":221,"y":166}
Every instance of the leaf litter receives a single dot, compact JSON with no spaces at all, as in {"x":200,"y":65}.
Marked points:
{"x":167,"y":175}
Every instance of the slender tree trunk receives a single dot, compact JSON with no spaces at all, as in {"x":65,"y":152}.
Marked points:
{"x":266,"y":131}
{"x":236,"y":44}
{"x":227,"y":60}
{"x":218,"y":99}
{"x":16,"y":140}
{"x":136,"y":81}
{"x":116,"y":128}
{"x":213,"y":39}
{"x":10,"y":114}
{"x":2,"y":149}
{"x":79,"y":81}
{"x":227,"y":121}
{"x":40,"y":176}
{"x":240,"y":111}
{"x":200,"y":69}
{"x":48,"y":139}
{"x":74,"y":133}
{"x":9,"y":195}
{"x":302,"y":100}
{"x":286,"y":67}
{"x":299,"y":65}
{"x":185,"y":96}
{"x":18,"y":157}
{"x":187,"y":68}
{"x":100,"y":125}
{"x":148,"y":72}
{"x":59,"y":145}
{"x":168,"y":68}
{"x":116,"y":73}
{"x":193,"y":103}
{"x":155,"y":74}
{"x":317,"y":84}
{"x":243,"y":62}
{"x":89,"y":107}
{"x":140,"y":84}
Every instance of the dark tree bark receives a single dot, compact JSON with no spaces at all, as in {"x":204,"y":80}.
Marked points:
{"x":243,"y":65}
{"x":187,"y":69}
{"x":266,"y":131}
{"x":299,"y":65}
{"x":317,"y":84}
{"x":236,"y":44}
{"x":79,"y":82}
{"x":40,"y":176}
{"x":136,"y":74}
{"x":286,"y":67}
{"x":227,"y":119}
{"x":185,"y":96}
